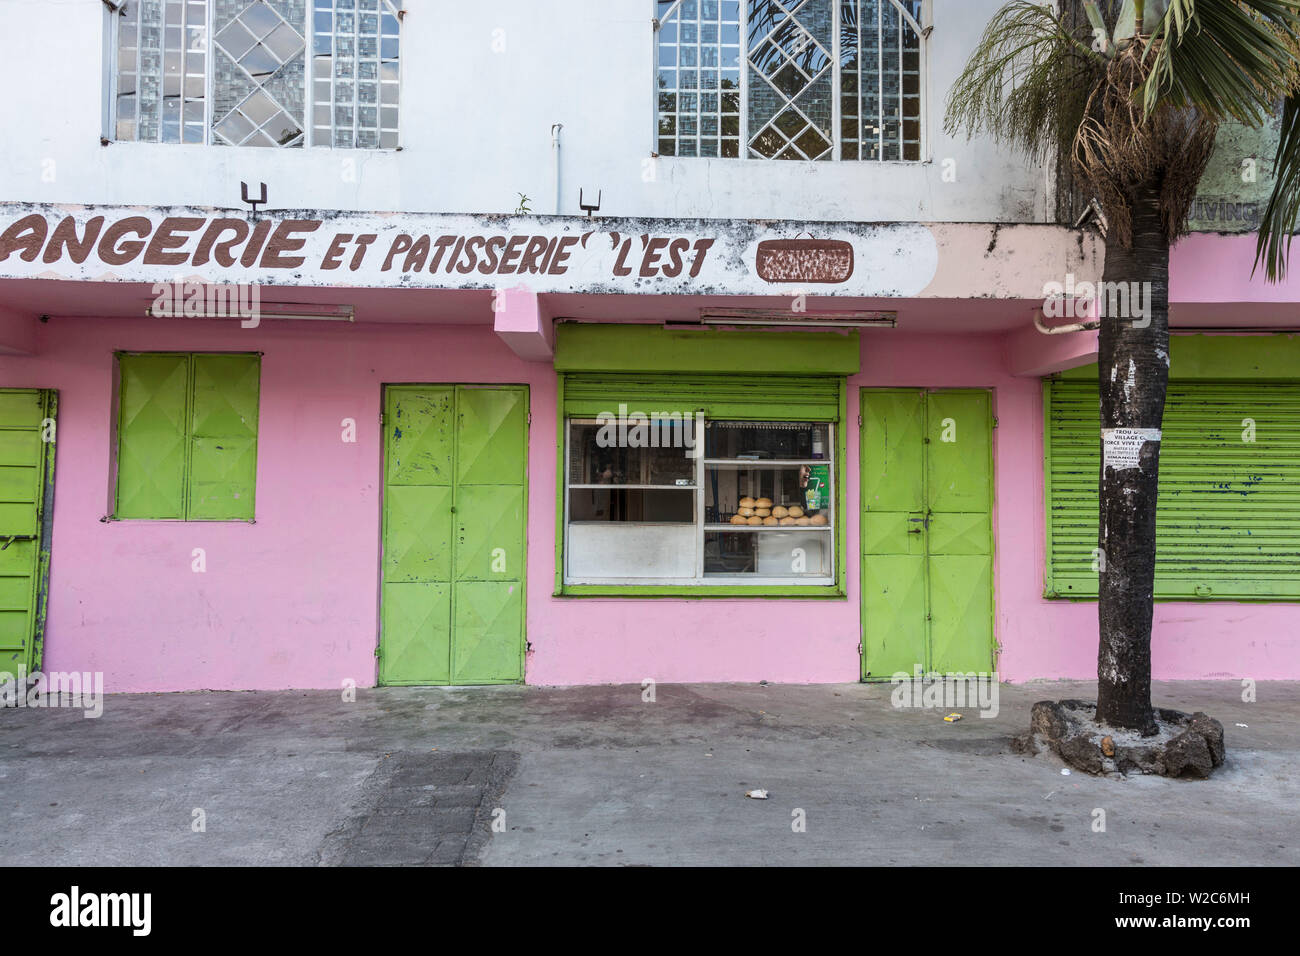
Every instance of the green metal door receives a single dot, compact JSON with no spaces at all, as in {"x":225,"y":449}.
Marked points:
{"x":452,"y":594}
{"x":927,"y":580}
{"x":27,"y":435}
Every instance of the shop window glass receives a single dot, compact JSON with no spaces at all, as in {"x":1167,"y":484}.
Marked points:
{"x":747,"y":503}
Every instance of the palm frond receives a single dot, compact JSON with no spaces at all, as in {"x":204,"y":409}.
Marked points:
{"x":1277,"y":226}
{"x":1230,"y":59}
{"x":1027,"y":82}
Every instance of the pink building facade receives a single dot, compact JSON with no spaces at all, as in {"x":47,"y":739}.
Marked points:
{"x":296,"y":596}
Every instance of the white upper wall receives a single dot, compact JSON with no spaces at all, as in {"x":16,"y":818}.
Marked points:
{"x":476,"y":129}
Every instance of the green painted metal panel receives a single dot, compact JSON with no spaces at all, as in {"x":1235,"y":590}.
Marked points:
{"x":754,"y":397}
{"x":1228,"y":521}
{"x":926,"y":531}
{"x":959,"y":533}
{"x":961,"y":613}
{"x":26,"y":498}
{"x":490,"y":436}
{"x":418,"y":430}
{"x":585,"y":347}
{"x":1254,"y":358}
{"x":893,"y":545}
{"x":487,"y":633}
{"x":153,"y":402}
{"x":417,"y":543}
{"x":491,"y":456}
{"x":489,"y":532}
{"x":960,"y":473}
{"x":455,"y":510}
{"x":223,"y":437}
{"x":415,"y":631}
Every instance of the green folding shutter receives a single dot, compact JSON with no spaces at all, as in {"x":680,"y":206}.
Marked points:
{"x":152,"y":435}
{"x":1228,"y":522}
{"x":223,"y":437}
{"x":187,"y":435}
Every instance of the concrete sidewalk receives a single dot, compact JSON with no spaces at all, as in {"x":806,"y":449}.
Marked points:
{"x":594,"y":775}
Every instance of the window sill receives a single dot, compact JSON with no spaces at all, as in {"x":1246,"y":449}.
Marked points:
{"x":114,"y":519}
{"x":789,"y":592}
{"x":796,"y":162}
{"x":138,"y":144}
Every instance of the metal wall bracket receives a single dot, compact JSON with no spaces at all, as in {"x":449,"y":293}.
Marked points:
{"x":243,"y":193}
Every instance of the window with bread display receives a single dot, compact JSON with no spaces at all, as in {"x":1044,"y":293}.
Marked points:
{"x":703,"y":462}
{"x":669,"y":499}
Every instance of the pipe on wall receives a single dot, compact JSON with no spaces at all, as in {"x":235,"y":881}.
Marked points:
{"x":555,"y":162}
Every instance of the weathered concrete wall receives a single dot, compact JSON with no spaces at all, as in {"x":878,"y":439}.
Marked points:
{"x":291,"y":601}
{"x":476,"y":129}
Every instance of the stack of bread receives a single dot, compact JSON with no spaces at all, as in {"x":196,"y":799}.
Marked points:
{"x":761,"y":512}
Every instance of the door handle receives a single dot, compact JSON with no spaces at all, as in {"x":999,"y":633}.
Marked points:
{"x":16,"y":537}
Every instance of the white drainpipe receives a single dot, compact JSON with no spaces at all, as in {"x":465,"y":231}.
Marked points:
{"x":555,"y":162}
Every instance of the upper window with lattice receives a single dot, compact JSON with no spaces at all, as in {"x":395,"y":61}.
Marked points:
{"x":791,"y":79}
{"x":257,"y":72}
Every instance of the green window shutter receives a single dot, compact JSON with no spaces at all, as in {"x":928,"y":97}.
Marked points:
{"x":223,"y":437}
{"x":187,"y":436}
{"x":766,"y":397}
{"x":1228,"y":523}
{"x":151,"y":435}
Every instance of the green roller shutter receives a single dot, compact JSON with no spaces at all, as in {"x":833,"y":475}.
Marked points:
{"x":187,"y":436}
{"x":27,"y":440}
{"x":765,"y":397}
{"x":1228,"y":523}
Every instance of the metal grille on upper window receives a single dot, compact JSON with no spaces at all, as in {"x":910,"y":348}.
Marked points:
{"x":791,"y":79}
{"x":249,"y":86}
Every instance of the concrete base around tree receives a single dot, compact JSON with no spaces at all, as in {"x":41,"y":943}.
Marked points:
{"x":597,"y":775}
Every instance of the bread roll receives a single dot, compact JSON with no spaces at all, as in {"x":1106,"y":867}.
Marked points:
{"x":780,"y":511}
{"x":803,"y":521}
{"x":745,"y":512}
{"x":746,"y":503}
{"x":763,"y":503}
{"x":818,"y":519}
{"x":795,"y":511}
{"x":763,"y":512}
{"x":770,"y":521}
{"x":754,"y":520}
{"x":738,"y":519}
{"x":787,"y":521}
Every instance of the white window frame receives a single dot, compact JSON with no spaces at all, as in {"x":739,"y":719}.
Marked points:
{"x":112,"y":26}
{"x":701,"y":527}
{"x":922,"y":28}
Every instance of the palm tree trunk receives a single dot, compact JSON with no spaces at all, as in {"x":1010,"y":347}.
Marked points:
{"x":1133,"y":372}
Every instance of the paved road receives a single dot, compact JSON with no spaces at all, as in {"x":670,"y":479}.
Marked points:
{"x":597,"y":775}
